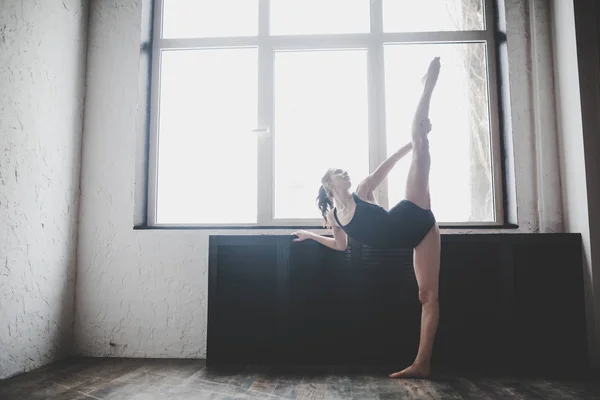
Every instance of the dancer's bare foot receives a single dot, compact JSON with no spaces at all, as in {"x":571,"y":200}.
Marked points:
{"x":414,"y":371}
{"x":433,"y":72}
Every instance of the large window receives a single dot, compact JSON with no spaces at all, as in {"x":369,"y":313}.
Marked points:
{"x":253,"y":100}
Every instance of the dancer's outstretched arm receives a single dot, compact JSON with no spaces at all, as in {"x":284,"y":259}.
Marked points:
{"x":338,"y":242}
{"x":382,"y":171}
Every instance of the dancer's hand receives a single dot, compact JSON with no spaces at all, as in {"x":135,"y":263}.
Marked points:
{"x":425,"y":126}
{"x":302,"y":235}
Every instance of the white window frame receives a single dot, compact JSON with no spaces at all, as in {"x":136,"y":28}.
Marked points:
{"x":373,"y":42}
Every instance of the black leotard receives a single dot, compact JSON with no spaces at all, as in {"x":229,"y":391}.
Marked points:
{"x":403,"y":226}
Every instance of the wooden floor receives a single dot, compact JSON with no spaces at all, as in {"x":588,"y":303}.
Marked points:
{"x":93,"y":378}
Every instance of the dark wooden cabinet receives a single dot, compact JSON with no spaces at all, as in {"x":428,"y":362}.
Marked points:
{"x":245,"y":294}
{"x":474,"y":302}
{"x":508,"y":303}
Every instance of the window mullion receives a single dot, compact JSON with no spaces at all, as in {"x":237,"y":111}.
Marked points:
{"x":494,"y":111}
{"x":489,"y":13}
{"x":263,"y":18}
{"x":377,"y":125}
{"x":377,"y":17}
{"x":265,"y":119}
{"x":377,"y":129}
{"x":152,"y":200}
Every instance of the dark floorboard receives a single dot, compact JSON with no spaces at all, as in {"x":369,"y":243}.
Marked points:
{"x":139,"y":379}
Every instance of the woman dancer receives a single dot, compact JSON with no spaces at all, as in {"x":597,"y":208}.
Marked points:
{"x":409,"y":224}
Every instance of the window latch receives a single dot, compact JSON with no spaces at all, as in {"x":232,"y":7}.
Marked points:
{"x":262,"y":131}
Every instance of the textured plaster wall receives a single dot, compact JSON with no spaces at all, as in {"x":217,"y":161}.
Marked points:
{"x":533,"y":120}
{"x":144,"y":293}
{"x":42,"y":65}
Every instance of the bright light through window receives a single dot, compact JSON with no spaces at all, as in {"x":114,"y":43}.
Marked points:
{"x":207,"y":151}
{"x":308,"y":17}
{"x":432,"y":15}
{"x":461,"y":170}
{"x":321,"y":121}
{"x":209,"y":18}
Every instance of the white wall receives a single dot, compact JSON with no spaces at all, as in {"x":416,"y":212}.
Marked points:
{"x":577,"y":154}
{"x":42,"y":66}
{"x":146,"y":291}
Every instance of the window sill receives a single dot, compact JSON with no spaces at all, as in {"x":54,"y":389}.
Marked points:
{"x":250,"y":228}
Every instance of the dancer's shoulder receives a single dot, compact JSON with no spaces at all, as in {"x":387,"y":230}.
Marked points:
{"x":364,"y":192}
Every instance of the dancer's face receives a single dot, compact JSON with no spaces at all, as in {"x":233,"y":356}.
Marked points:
{"x":337,"y":179}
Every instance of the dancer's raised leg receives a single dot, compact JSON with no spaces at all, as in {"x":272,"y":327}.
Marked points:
{"x":417,"y":182}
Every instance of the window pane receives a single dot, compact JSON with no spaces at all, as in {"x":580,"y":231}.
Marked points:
{"x":461,"y":167}
{"x":432,"y":15}
{"x":207,"y":151}
{"x":321,"y":121}
{"x":308,"y":17}
{"x":209,"y":18}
